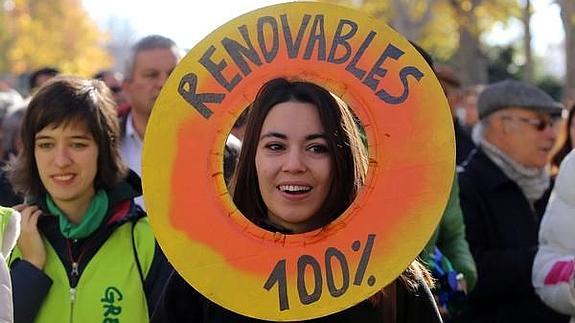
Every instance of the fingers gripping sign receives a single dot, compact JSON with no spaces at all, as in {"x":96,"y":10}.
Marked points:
{"x":410,"y":140}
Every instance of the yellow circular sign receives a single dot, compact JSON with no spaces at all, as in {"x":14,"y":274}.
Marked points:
{"x":302,"y":276}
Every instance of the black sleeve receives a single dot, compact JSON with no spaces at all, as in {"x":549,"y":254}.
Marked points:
{"x":157,"y":279}
{"x":179,"y":302}
{"x":416,"y":306}
{"x":30,"y":286}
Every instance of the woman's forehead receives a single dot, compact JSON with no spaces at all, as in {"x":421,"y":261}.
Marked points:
{"x":69,"y":125}
{"x":293,"y":117}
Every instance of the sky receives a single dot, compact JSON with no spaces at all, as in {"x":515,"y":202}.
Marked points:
{"x":189,"y":21}
{"x":185,"y":21}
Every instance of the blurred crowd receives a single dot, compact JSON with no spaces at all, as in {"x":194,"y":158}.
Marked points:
{"x":504,"y":250}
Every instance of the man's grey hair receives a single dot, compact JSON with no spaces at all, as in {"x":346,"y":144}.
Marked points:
{"x":148,"y":43}
{"x":481,"y":127}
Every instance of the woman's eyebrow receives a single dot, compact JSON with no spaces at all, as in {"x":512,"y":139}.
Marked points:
{"x":37,"y":137}
{"x":274,"y":135}
{"x":315,"y":136}
{"x":85,"y":137}
{"x":283,"y":136}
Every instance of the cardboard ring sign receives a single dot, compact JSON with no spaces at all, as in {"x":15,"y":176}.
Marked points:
{"x":410,"y":135}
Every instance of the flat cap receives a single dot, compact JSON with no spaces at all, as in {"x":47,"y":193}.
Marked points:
{"x":511,"y":93}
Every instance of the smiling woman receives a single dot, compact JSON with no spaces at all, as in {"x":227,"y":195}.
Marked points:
{"x":301,"y":165}
{"x":80,"y":217}
{"x":303,"y":173}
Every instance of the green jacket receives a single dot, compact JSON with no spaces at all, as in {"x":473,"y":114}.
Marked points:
{"x":116,"y":274}
{"x":449,"y":237}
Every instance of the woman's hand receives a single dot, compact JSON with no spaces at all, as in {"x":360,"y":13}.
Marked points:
{"x":30,"y":242}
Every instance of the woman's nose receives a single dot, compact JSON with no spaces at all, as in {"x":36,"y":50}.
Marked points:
{"x":294,"y":161}
{"x":62,"y":158}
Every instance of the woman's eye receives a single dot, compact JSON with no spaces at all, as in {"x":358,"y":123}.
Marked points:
{"x":274,"y":147}
{"x":44,"y":145}
{"x":318,"y":149}
{"x":79,"y":145}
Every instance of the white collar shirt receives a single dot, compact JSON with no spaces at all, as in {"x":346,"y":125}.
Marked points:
{"x":131,"y":150}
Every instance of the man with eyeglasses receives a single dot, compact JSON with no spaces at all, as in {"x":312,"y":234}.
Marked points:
{"x":504,"y":188}
{"x":113,"y":81}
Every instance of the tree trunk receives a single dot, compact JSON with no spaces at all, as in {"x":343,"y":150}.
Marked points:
{"x":404,"y":22}
{"x":526,"y":19}
{"x":568,"y":17}
{"x":470,"y":61}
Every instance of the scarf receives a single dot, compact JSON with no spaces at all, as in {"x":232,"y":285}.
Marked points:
{"x":90,"y":222}
{"x":533,"y":181}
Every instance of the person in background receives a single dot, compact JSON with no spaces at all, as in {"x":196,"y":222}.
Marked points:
{"x":86,"y":252}
{"x":151,"y":61}
{"x":9,"y":232}
{"x":452,"y":89}
{"x":12,"y":145}
{"x":10,"y":101}
{"x":504,"y":188}
{"x":234,"y":145}
{"x":448,"y":257}
{"x":566,"y":142}
{"x":554,"y":263}
{"x":40,"y":76}
{"x":321,"y":149}
{"x":466,"y":112}
{"x":447,"y":253}
{"x":113,"y":81}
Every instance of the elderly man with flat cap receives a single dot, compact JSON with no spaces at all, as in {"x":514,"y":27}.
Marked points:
{"x":504,"y":188}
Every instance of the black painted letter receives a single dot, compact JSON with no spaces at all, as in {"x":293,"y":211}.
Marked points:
{"x":216,"y":70}
{"x":187,"y":89}
{"x":238,"y":52}
{"x":351,"y":67}
{"x":317,"y":34}
{"x":293,"y":46}
{"x":403,"y":74}
{"x":341,"y":39}
{"x":269,"y":55}
{"x":390,"y":51}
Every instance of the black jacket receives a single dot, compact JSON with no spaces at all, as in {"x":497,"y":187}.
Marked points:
{"x":31,"y":285}
{"x":182,"y":303}
{"x":463,"y":143}
{"x":7,"y":195}
{"x":502,"y":231}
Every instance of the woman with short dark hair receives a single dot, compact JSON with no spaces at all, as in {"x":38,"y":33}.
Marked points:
{"x":86,"y":252}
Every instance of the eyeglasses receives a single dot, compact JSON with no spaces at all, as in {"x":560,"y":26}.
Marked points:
{"x":116,"y":89}
{"x":539,"y":124}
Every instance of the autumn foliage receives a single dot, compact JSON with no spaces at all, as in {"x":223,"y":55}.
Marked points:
{"x":59,"y":33}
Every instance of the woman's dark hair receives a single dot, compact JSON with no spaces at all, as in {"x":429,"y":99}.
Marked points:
{"x":567,"y":144}
{"x":66,"y":100}
{"x":349,"y":156}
